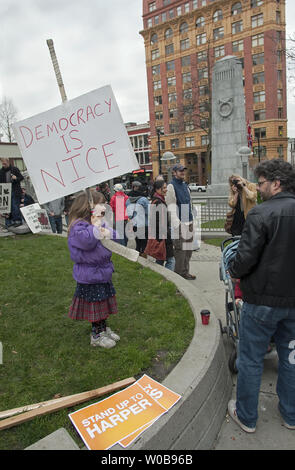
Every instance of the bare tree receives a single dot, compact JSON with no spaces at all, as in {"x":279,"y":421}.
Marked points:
{"x":8,"y":115}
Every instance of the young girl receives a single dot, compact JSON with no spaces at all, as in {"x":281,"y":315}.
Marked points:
{"x":94,"y":299}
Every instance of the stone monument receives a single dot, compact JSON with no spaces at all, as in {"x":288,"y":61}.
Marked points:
{"x":229,"y":132}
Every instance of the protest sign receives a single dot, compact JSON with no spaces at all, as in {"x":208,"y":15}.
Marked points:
{"x":44,"y":220}
{"x":5,"y":198}
{"x":160,"y":394}
{"x":31,"y":217}
{"x":105,"y":423}
{"x":76,"y":145}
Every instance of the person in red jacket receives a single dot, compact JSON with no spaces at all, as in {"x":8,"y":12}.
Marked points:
{"x":118,"y":205}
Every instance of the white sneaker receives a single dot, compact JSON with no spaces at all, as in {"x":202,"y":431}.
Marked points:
{"x":233,"y":414}
{"x":111,"y":334}
{"x":102,"y":340}
{"x":288,"y":426}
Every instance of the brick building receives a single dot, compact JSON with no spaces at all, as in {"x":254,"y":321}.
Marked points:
{"x":183,"y":39}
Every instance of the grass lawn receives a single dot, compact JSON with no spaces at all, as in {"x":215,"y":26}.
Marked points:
{"x":218,"y":223}
{"x":46,"y":354}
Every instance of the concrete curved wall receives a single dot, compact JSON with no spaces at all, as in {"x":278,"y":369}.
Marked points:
{"x":201,"y":377}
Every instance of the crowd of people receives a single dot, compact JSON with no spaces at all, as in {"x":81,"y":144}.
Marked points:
{"x":262,"y":214}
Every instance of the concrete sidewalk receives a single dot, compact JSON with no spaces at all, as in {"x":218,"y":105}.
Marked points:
{"x":270,"y":433}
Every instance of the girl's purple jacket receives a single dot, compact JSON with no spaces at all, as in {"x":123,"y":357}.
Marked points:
{"x":92,"y":260}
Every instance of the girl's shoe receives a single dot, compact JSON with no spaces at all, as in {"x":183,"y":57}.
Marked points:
{"x":102,"y":340}
{"x":111,"y":334}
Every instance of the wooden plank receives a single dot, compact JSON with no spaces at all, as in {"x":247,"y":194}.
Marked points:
{"x":64,"y":402}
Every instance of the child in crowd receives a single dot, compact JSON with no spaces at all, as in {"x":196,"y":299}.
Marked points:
{"x":94,"y":299}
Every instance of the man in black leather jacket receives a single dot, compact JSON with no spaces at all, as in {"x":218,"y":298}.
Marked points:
{"x":265,"y":263}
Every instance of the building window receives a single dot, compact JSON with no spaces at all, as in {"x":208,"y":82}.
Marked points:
{"x":189,"y":141}
{"x":280,"y":113}
{"x":155,"y":54}
{"x":280,"y":75}
{"x":157,"y":19}
{"x":178,"y":11}
{"x":202,"y":56}
{"x":201,"y":39}
{"x":280,"y":151}
{"x":278,"y":17}
{"x":280,"y":131}
{"x":204,"y":140}
{"x":258,"y":59}
{"x":280,"y":95}
{"x":218,"y":33}
{"x":173,"y":128}
{"x":169,"y":49}
{"x":158,"y":100}
{"x":200,"y":22}
{"x":174,"y":143}
{"x":203,"y":73}
{"x":195,"y":4}
{"x":186,"y":77}
{"x":154,"y":38}
{"x":150,"y":22}
{"x":188,"y":94}
{"x":260,"y":133}
{"x":256,"y":3}
{"x":189,"y":126}
{"x":159,"y":115}
{"x":170,"y":65}
{"x":236,"y":9}
{"x":171,"y":81}
{"x":258,"y":40}
{"x":186,"y":7}
{"x":156,"y":69}
{"x":188,"y":110}
{"x":171,"y":14}
{"x":183,"y":28}
{"x":152,"y":6}
{"x":171,"y":97}
{"x":157,"y":85}
{"x":172,"y":113}
{"x":184,"y":44}
{"x":237,"y":27}
{"x":219,"y":51}
{"x":259,"y":115}
{"x":217,"y":16}
{"x":185,"y":61}
{"x":203,"y":90}
{"x":168,"y":33}
{"x":257,"y":20}
{"x":258,"y":78}
{"x":238,"y":46}
{"x":259,"y":151}
{"x":259,"y":96}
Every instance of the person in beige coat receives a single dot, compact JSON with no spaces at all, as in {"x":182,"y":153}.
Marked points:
{"x":242,"y":197}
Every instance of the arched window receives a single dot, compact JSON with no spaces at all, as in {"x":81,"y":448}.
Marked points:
{"x":168,"y":33}
{"x":154,"y":38}
{"x":183,"y":28}
{"x":217,"y":15}
{"x":236,"y":8}
{"x":200,"y":21}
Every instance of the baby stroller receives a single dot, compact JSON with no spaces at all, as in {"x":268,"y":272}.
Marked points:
{"x":229,"y":248}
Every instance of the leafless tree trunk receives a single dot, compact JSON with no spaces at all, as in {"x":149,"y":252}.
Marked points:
{"x":8,"y":115}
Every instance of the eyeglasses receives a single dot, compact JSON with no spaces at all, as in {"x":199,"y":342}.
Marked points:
{"x":260,"y":183}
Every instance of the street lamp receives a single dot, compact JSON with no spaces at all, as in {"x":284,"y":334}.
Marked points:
{"x":168,"y":157}
{"x":159,"y":133}
{"x":244,"y":153}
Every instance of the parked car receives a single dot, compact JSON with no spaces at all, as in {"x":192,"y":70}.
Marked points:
{"x":197,"y":187}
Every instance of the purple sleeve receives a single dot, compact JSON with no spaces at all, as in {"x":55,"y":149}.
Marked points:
{"x":83,"y":237}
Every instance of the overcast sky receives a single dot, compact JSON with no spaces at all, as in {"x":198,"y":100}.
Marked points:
{"x":97,"y":43}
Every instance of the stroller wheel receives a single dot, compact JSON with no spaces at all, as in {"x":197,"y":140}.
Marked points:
{"x":232,"y":362}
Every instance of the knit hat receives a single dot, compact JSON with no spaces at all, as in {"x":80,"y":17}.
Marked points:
{"x":118,"y":187}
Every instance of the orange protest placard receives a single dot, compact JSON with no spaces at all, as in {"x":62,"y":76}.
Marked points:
{"x":161,"y":394}
{"x":105,"y":423}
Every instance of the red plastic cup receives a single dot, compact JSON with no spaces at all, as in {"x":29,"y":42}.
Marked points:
{"x":205,"y":315}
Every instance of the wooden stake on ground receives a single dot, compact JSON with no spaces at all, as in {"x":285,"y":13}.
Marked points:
{"x":64,"y":402}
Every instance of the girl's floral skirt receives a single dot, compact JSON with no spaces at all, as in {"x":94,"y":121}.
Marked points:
{"x":93,"y":302}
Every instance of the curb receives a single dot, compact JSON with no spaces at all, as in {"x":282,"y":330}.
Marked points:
{"x":201,"y":377}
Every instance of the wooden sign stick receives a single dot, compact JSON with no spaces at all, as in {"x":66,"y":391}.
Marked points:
{"x":65,"y":402}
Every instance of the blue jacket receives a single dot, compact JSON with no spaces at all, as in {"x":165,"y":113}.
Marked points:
{"x":183,"y":197}
{"x":138,"y":210}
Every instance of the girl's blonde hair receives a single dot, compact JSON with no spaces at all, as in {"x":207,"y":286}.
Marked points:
{"x":81,"y":207}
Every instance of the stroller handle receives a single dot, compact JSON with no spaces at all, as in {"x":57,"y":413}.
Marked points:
{"x":236,"y":237}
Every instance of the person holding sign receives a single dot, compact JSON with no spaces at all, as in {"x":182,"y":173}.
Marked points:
{"x":11,"y":174}
{"x":95,"y":297}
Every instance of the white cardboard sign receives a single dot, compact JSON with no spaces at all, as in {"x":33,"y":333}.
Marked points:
{"x":5,"y":198}
{"x":76,"y":145}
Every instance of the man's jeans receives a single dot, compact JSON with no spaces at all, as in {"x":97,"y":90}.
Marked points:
{"x":56,"y":223}
{"x":258,"y":324}
{"x":169,"y":263}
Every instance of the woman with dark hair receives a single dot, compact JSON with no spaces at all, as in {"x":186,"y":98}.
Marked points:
{"x":159,"y":224}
